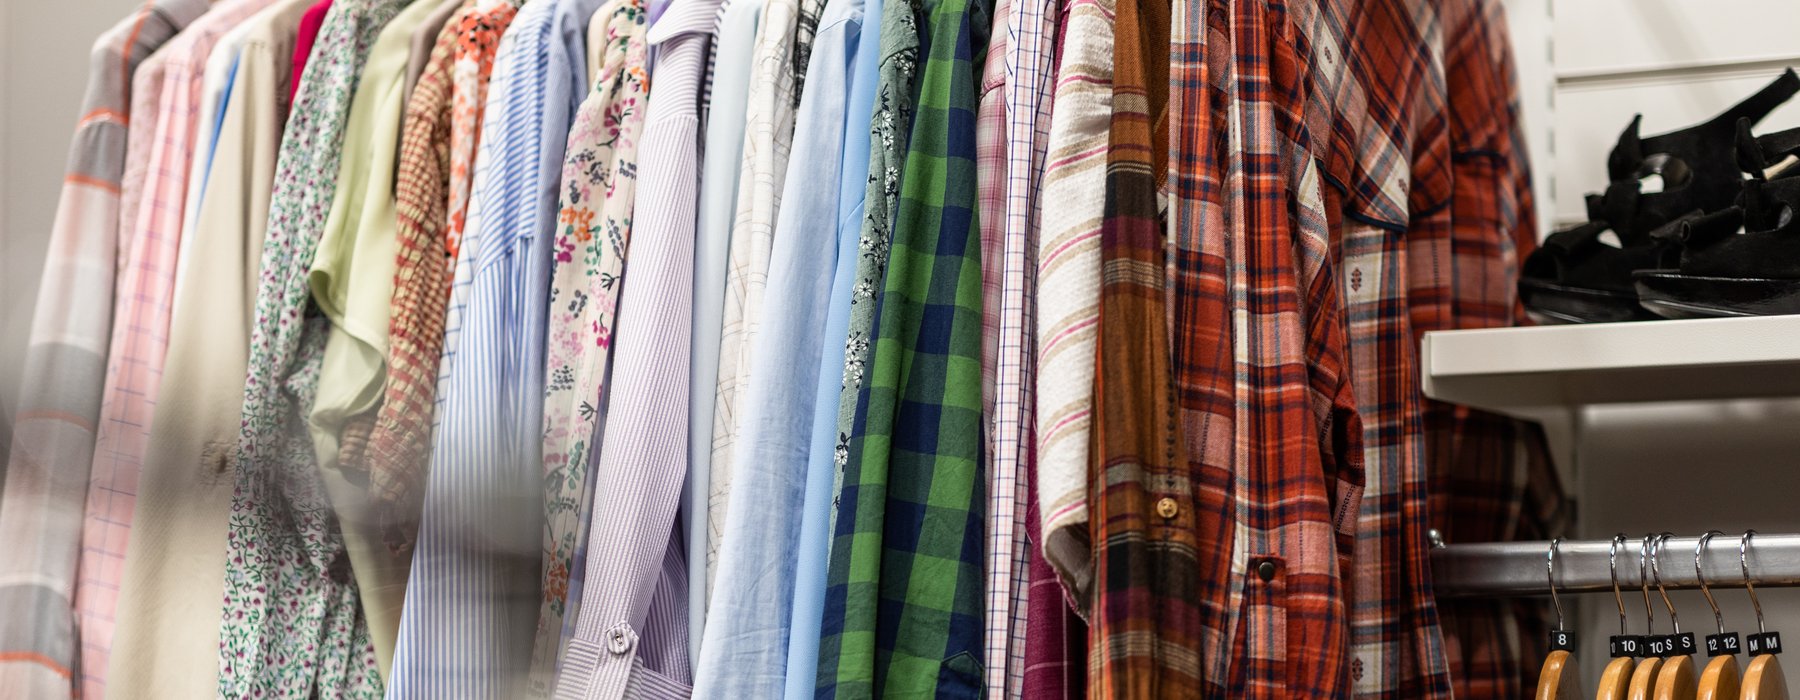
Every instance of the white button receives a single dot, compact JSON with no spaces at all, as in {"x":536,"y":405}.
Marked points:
{"x":619,"y":640}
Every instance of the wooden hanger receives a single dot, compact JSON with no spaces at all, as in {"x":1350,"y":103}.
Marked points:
{"x":1675,"y":681}
{"x":1615,"y":680}
{"x":1720,"y":679}
{"x":1560,"y":679}
{"x":1643,"y":676}
{"x":1763,"y":680}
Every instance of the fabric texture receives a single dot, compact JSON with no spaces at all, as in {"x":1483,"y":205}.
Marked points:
{"x":768,"y":136}
{"x":352,"y":279}
{"x":472,"y":597}
{"x":744,"y":652}
{"x":905,"y":604}
{"x":174,"y":574}
{"x":425,"y":38}
{"x":631,"y":632}
{"x":593,"y":232}
{"x":47,"y":469}
{"x":141,"y":308}
{"x":712,"y":248}
{"x":291,"y":623}
{"x":308,"y":34}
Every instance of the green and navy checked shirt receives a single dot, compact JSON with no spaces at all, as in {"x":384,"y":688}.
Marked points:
{"x":904,"y":605}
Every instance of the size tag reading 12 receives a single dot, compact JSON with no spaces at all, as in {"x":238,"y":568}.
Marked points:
{"x":1623,"y":645}
{"x":1561,"y":641}
{"x":1724,"y":644}
{"x":1765,"y":643}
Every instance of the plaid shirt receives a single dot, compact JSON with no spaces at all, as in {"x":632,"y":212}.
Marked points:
{"x":904,"y":605}
{"x":1274,"y":455}
{"x":1491,"y":477}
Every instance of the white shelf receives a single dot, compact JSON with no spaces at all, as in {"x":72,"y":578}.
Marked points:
{"x":1526,"y":371}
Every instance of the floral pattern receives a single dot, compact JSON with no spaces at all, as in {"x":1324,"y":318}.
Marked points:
{"x":292,"y":624}
{"x":477,"y":44}
{"x":599,"y":183}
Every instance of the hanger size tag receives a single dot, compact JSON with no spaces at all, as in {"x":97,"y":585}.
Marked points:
{"x":1684,"y":645}
{"x":1623,"y":645}
{"x":1722,"y":644}
{"x":1561,"y":640}
{"x":1765,"y":643}
{"x":1660,"y":644}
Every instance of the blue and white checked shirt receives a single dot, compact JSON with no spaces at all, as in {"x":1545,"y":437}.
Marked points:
{"x":472,"y":600}
{"x":744,"y":653}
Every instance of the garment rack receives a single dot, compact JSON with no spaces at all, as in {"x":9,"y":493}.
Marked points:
{"x":1518,"y":568}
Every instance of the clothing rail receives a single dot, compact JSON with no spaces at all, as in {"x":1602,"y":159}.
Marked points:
{"x":1517,"y":568}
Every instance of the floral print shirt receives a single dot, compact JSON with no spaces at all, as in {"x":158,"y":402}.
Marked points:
{"x":292,"y":625}
{"x":599,"y":183}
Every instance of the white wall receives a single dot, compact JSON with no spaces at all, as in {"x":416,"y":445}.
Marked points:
{"x":43,"y":73}
{"x":1586,"y":66}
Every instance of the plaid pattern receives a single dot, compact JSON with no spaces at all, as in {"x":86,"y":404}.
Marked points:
{"x":903,"y":608}
{"x":1273,"y":439}
{"x":401,"y":437}
{"x":1144,"y":622}
{"x":1491,"y":477}
{"x":990,"y":181}
{"x":65,"y":371}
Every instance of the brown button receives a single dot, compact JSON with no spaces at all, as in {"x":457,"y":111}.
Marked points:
{"x":1266,"y":570}
{"x":1167,"y":508}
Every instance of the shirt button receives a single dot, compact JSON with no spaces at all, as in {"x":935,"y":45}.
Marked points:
{"x":1167,"y":508}
{"x":1266,"y":570}
{"x":619,"y":641}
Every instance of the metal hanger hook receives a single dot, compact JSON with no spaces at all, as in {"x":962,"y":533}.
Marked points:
{"x":1612,"y":567}
{"x":1550,"y":577}
{"x":1750,"y":586}
{"x":1644,"y":583}
{"x":1700,"y":574}
{"x":1656,"y":573}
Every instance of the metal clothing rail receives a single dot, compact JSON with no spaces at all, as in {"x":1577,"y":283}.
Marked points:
{"x":1518,"y":568}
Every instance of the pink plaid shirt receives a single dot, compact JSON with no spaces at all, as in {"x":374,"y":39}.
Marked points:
{"x":140,"y":337}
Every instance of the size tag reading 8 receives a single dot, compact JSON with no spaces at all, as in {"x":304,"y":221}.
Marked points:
{"x":1725,"y":644}
{"x":1624,"y":645}
{"x":1561,"y":640}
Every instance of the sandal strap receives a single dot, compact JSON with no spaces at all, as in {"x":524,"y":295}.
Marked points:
{"x":1760,"y":156}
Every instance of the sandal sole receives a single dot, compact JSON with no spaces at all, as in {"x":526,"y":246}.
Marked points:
{"x":1674,"y":295}
{"x":1553,"y":304}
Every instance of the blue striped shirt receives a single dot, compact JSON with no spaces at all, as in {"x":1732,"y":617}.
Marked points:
{"x":471,"y":603}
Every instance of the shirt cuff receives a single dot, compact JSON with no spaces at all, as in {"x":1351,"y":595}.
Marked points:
{"x":609,"y":668}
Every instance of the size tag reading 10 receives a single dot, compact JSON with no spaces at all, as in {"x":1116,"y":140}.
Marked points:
{"x":1623,"y":645}
{"x":1561,"y":641}
{"x":1725,"y":644}
{"x":1765,"y":643}
{"x":1660,"y":644}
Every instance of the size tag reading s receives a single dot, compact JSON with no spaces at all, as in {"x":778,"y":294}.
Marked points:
{"x":1623,"y":645}
{"x":1660,"y":644}
{"x":1725,"y":644}
{"x":1765,"y":643}
{"x":1684,"y":645}
{"x":1561,"y":641}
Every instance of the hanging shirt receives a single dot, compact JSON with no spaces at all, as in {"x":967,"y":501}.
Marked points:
{"x":215,"y":96}
{"x":65,"y":371}
{"x":718,"y":201}
{"x":744,"y":652}
{"x":631,"y":632}
{"x":400,"y":439}
{"x":303,"y":43}
{"x":292,"y":622}
{"x":425,"y":38}
{"x":592,"y":235}
{"x":813,"y":549}
{"x":352,"y":284}
{"x":473,"y":594}
{"x":904,"y":608}
{"x":166,"y":643}
{"x":768,"y":136}
{"x":140,"y":335}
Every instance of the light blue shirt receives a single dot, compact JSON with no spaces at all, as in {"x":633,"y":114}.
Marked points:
{"x":744,"y":650}
{"x":472,"y":599}
{"x":712,"y":245}
{"x":815,"y":539}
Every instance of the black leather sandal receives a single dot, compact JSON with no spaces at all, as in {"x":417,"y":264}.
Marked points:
{"x":1722,"y":272}
{"x":1578,"y":276}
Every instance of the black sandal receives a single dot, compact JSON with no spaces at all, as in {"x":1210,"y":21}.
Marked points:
{"x":1721,"y":272}
{"x":1577,"y":276}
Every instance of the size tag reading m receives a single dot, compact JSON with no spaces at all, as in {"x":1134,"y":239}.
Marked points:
{"x":1725,"y":644}
{"x":1623,"y":645}
{"x":1561,"y":641}
{"x":1765,"y":643}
